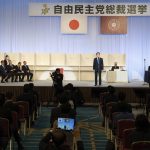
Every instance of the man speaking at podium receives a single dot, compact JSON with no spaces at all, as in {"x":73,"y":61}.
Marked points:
{"x":98,"y":67}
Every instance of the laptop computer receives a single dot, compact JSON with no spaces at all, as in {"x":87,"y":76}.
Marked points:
{"x":66,"y":124}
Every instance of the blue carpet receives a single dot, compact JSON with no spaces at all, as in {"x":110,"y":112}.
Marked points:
{"x":89,"y":121}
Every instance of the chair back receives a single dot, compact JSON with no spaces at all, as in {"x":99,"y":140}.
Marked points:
{"x":126,"y":138}
{"x":109,"y":108}
{"x":21,"y":112}
{"x":4,"y":131}
{"x":124,"y":124}
{"x":14,"y":120}
{"x":141,"y":145}
{"x":25,"y":107}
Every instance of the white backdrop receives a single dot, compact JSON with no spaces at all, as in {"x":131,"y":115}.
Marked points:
{"x":21,"y":33}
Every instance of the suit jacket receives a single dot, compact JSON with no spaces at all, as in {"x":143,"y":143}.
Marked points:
{"x":2,"y":70}
{"x":114,"y":67}
{"x":10,"y":68}
{"x":25,"y":69}
{"x":98,"y":66}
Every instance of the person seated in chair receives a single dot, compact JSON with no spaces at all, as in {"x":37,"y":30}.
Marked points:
{"x":26,"y":70}
{"x":10,"y":68}
{"x":3,"y":73}
{"x":5,"y":112}
{"x":142,"y":129}
{"x":114,"y":67}
{"x":54,"y":140}
{"x":19,"y":72}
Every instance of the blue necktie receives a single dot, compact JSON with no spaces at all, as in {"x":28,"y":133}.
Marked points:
{"x":98,"y":61}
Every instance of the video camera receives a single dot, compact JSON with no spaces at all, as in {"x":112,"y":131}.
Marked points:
{"x":57,"y":77}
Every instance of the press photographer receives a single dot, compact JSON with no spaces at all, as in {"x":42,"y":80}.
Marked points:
{"x":57,"y":78}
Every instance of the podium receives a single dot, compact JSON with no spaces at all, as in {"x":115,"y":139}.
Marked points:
{"x":147,"y":77}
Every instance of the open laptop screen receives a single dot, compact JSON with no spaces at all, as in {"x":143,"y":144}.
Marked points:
{"x":66,"y":123}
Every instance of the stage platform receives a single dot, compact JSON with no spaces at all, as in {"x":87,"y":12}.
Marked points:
{"x":134,"y":90}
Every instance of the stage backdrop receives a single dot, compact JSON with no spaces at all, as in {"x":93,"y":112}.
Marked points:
{"x":21,"y":33}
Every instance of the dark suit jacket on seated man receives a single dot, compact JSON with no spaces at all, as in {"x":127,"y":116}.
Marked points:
{"x":26,"y":70}
{"x":98,"y":67}
{"x":19,"y":73}
{"x":3,"y":73}
{"x":114,"y":67}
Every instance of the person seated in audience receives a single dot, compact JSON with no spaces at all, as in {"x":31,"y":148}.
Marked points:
{"x":142,"y":129}
{"x":6,"y":60}
{"x":27,"y":96}
{"x":3,"y":73}
{"x":115,"y":66}
{"x":54,"y":140}
{"x":69,"y":92}
{"x":10,"y":68}
{"x":6,"y":113}
{"x":64,"y":110}
{"x":19,"y":72}
{"x":36,"y":101}
{"x":121,"y":104}
{"x":26,"y":70}
{"x":123,"y":114}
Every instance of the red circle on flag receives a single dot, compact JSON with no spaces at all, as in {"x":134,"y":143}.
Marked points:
{"x":74,"y":24}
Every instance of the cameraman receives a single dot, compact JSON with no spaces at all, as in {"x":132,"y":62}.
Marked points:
{"x":57,"y":78}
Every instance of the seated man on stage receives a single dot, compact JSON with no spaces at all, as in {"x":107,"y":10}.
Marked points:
{"x":19,"y":72}
{"x":114,"y":67}
{"x":10,"y":68}
{"x":57,"y":78}
{"x":3,"y":73}
{"x":26,"y":70}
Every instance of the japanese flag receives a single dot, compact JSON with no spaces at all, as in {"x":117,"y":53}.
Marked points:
{"x":73,"y":24}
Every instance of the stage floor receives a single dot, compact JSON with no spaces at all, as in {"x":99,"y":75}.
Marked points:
{"x":46,"y":83}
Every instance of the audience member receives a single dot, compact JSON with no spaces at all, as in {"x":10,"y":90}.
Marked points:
{"x":122,"y":104}
{"x":142,"y":129}
{"x":64,"y":111}
{"x":28,"y":97}
{"x":6,"y":113}
{"x":26,"y":70}
{"x":54,"y":140}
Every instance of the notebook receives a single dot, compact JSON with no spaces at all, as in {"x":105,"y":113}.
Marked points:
{"x":66,"y":123}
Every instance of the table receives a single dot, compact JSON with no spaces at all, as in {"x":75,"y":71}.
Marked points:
{"x":117,"y":76}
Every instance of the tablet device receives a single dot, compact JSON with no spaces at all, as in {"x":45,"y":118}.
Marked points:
{"x":66,"y":123}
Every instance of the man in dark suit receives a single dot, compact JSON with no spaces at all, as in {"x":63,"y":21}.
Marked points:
{"x":10,"y":68}
{"x":19,"y":73}
{"x":26,"y":70}
{"x":115,"y":66}
{"x":98,"y":67}
{"x":3,"y":73}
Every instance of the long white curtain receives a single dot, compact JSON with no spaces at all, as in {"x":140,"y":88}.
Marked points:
{"x":21,"y":33}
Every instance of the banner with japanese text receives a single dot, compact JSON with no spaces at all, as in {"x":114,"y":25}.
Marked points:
{"x":95,"y":9}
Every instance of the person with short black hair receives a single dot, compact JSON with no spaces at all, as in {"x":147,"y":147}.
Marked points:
{"x":57,"y":78}
{"x":26,"y":70}
{"x":142,"y":129}
{"x":54,"y":140}
{"x":98,"y":67}
{"x":115,"y":66}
